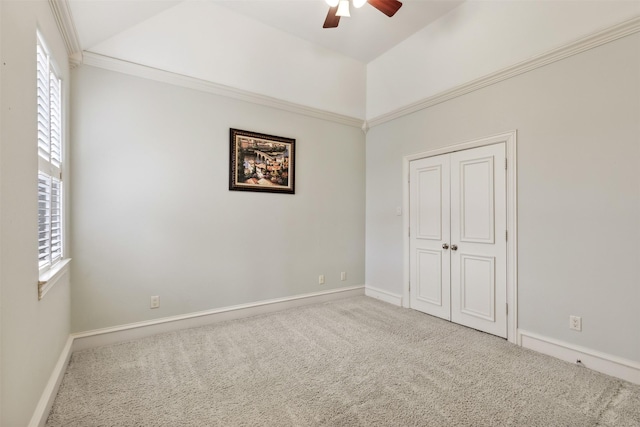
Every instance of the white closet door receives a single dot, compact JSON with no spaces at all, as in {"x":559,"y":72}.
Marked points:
{"x":429,"y":231}
{"x":457,"y":241}
{"x":478,"y":239}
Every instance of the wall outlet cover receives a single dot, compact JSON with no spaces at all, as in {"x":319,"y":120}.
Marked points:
{"x":155,"y":301}
{"x":575,"y":323}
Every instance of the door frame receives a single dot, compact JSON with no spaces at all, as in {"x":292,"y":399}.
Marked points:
{"x":509,"y":139}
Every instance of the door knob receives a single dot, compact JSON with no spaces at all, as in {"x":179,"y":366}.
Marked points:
{"x":454,"y":247}
{"x":445,"y":246}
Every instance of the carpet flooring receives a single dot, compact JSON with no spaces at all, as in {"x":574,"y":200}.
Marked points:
{"x":352,"y":362}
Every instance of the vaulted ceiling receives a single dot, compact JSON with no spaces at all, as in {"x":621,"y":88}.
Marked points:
{"x":276,"y":51}
{"x":364,"y":36}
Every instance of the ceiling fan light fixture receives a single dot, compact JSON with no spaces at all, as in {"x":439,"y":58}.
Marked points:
{"x":332,"y":3}
{"x":388,"y":7}
{"x":343,"y":8}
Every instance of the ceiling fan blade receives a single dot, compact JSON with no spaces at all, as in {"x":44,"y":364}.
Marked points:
{"x":388,"y":7}
{"x":332,"y":19}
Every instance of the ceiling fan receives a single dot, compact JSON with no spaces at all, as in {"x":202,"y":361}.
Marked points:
{"x":338,"y":8}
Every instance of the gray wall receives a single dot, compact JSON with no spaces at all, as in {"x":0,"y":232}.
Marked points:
{"x":152,"y":213}
{"x":578,"y":123}
{"x":33,"y":332}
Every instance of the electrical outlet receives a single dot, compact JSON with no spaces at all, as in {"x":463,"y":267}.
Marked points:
{"x":155,"y":301}
{"x":343,"y":276}
{"x":321,"y":279}
{"x":575,"y":323}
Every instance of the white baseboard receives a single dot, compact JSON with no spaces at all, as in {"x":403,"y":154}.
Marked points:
{"x":611,"y":365}
{"x":385,"y":296}
{"x":132,"y":331}
{"x":100,"y":337}
{"x":43,"y":408}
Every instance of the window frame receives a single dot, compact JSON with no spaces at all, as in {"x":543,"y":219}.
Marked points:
{"x":50,"y":148}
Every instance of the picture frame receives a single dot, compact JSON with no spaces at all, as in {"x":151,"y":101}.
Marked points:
{"x":261,"y":162}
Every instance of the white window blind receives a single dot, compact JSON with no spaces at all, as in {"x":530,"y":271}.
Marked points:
{"x":50,"y":186}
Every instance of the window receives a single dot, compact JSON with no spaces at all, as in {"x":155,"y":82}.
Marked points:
{"x":50,"y":186}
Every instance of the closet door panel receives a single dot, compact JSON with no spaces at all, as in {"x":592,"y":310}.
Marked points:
{"x":478,"y":239}
{"x":429,"y":236}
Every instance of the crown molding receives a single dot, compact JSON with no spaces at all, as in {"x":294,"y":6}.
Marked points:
{"x":590,"y":41}
{"x":138,"y":70}
{"x":64,"y":19}
{"x":62,"y":14}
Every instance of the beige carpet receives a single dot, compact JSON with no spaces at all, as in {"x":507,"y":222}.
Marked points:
{"x":354,"y":362}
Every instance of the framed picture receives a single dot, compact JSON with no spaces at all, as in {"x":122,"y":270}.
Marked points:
{"x":260,"y":162}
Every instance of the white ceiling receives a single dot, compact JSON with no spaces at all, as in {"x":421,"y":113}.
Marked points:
{"x":364,"y":36}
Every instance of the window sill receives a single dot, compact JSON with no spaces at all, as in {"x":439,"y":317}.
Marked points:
{"x":51,"y":277}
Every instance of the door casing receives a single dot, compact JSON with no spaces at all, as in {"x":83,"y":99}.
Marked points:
{"x":509,"y":139}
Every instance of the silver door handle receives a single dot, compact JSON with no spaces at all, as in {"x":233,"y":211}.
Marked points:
{"x":445,"y":246}
{"x":454,"y":247}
